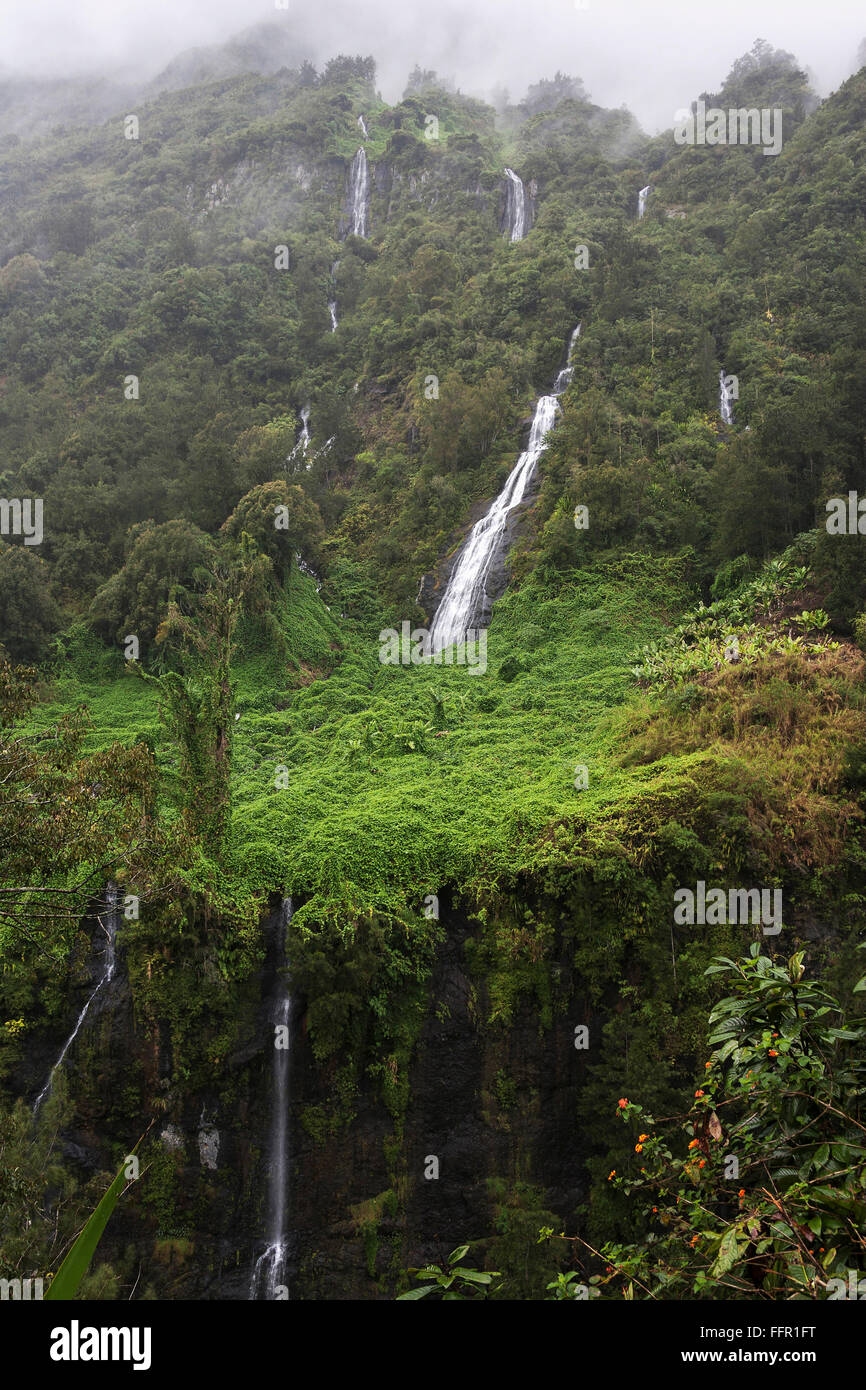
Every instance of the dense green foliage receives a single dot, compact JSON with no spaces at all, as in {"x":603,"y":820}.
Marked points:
{"x":672,"y":693}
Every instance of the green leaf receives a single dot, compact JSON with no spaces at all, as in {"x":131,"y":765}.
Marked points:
{"x":457,"y":1255}
{"x":821,"y":1155}
{"x":473,"y":1276}
{"x":414,"y":1294}
{"x":73,"y":1269}
{"x":728,"y":1253}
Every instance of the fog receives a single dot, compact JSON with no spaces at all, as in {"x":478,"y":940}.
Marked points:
{"x":651,"y":57}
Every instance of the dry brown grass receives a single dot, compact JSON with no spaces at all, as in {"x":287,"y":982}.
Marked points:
{"x":782,"y":727}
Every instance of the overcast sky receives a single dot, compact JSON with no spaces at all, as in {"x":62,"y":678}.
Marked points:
{"x":651,"y":55}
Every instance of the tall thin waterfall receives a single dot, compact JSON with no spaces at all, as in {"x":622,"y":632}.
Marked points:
{"x":466,"y":594}
{"x":359,"y":193}
{"x":642,"y":200}
{"x":515,"y":206}
{"x":363,"y":124}
{"x":270,"y":1269}
{"x":332,"y":303}
{"x":726,"y":407}
{"x":107,"y":920}
{"x":564,"y":378}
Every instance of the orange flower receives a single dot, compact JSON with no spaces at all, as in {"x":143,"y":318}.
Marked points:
{"x":707,"y":1066}
{"x":698,"y":1095}
{"x":702,"y":1162}
{"x":773,"y":1052}
{"x":622,"y":1104}
{"x":694,"y":1144}
{"x":611,"y":1174}
{"x":638,"y":1148}
{"x":642,"y":1137}
{"x":655,"y":1208}
{"x":742,"y":1192}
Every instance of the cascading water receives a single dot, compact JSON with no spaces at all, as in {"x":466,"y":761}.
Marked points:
{"x":269,"y":1274}
{"x":564,"y":378}
{"x":363,"y":124}
{"x":109,"y":926}
{"x":642,"y":200}
{"x":466,"y":597}
{"x":332,"y":303}
{"x":726,"y":408}
{"x":302,"y":443}
{"x":359,"y":193}
{"x":515,"y":206}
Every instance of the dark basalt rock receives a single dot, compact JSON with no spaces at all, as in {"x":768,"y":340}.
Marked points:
{"x":198,"y":1220}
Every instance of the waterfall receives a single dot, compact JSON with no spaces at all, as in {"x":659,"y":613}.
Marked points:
{"x":359,"y":193}
{"x":564,"y":378}
{"x":309,"y":572}
{"x":332,"y":303}
{"x":641,"y":200}
{"x":515,"y":206}
{"x":270,"y":1272}
{"x":466,"y":594}
{"x":302,"y":444}
{"x":363,"y":124}
{"x":726,"y":409}
{"x":109,"y":926}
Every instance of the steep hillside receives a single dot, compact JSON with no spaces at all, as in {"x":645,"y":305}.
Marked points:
{"x":451,"y":883}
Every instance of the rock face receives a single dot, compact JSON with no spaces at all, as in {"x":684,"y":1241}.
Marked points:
{"x":196,"y":1228}
{"x":454,"y":1118}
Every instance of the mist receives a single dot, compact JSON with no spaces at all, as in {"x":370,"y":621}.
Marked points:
{"x":652,"y":58}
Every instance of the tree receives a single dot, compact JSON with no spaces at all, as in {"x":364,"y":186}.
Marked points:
{"x":197,"y":702}
{"x":550,"y":91}
{"x":69,"y":821}
{"x":161,"y":565}
{"x":21,"y":279}
{"x":342,"y":71}
{"x":280,"y":519}
{"x":263,"y":452}
{"x":28,"y":614}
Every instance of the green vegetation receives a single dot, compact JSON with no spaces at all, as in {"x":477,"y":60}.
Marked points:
{"x":192,"y":702}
